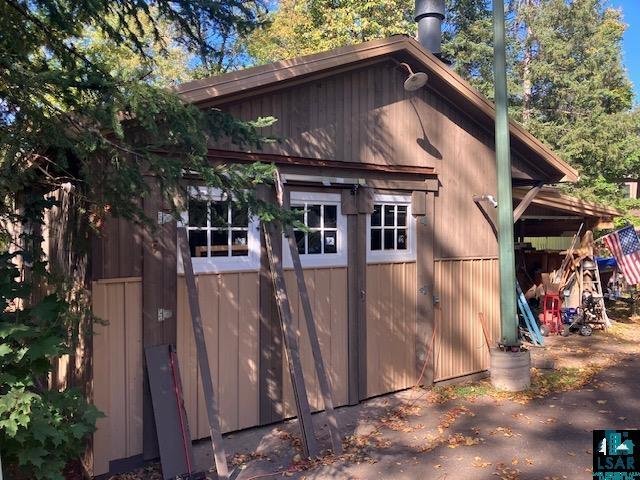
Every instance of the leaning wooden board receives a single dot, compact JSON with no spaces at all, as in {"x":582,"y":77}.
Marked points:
{"x":203,"y":357}
{"x":174,"y":438}
{"x":321,"y":372}
{"x":273,"y":230}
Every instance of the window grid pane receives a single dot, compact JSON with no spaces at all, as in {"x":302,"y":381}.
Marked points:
{"x":314,"y":241}
{"x":389,"y":227}
{"x":221,"y":235}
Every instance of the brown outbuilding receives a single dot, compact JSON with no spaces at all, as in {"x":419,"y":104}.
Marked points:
{"x":396,"y":245}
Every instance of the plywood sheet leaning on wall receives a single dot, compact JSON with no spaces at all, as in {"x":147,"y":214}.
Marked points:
{"x":117,"y":370}
{"x":229,"y":307}
{"x":328,"y":295}
{"x":391,"y":327}
{"x":465,"y":288}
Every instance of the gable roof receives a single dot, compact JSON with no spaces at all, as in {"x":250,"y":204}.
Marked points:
{"x":223,"y":88}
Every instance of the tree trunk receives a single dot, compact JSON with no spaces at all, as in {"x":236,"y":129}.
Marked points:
{"x":526,"y":78}
{"x":524,"y":13}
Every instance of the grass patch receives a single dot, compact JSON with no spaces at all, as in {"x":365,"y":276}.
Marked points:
{"x":543,"y":383}
{"x":627,"y":330}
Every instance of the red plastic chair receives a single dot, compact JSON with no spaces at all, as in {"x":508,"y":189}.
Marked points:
{"x":551,"y":313}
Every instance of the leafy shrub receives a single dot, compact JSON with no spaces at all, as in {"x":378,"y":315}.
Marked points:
{"x":40,"y":433}
{"x":40,"y":429}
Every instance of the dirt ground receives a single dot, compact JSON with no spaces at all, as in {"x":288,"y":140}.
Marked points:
{"x":466,"y":431}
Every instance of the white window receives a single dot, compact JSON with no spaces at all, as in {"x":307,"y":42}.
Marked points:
{"x":223,"y":237}
{"x":391,"y":230}
{"x":324,"y":243}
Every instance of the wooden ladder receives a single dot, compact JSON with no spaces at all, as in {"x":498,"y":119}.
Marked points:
{"x":597,"y":286}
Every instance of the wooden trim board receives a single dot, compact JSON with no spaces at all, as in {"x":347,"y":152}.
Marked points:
{"x":323,"y":378}
{"x":174,"y":437}
{"x":203,"y":358}
{"x":309,"y":443}
{"x":318,"y":163}
{"x":425,"y":296}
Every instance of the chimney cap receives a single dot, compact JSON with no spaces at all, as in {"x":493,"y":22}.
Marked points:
{"x":429,"y":8}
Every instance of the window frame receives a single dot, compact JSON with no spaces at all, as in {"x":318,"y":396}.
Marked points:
{"x":248,"y":263}
{"x":393,"y":256}
{"x":311,"y":260}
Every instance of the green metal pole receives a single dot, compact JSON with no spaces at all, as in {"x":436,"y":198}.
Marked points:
{"x":508,"y":315}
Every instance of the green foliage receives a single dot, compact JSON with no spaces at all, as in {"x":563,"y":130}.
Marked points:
{"x":468,"y":42}
{"x":303,"y":27}
{"x":581,"y":97}
{"x":166,"y":64}
{"x":40,"y":433}
{"x":84,"y":109}
{"x":40,"y":430}
{"x":73,"y":112}
{"x":567,"y":83}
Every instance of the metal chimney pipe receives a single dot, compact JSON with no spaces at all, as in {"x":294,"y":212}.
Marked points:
{"x":429,"y":15}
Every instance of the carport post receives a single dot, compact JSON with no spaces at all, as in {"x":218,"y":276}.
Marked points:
{"x":508,"y":315}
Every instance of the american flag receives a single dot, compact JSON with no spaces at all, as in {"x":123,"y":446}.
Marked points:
{"x":625,"y":247}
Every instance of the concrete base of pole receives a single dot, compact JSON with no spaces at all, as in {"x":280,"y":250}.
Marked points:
{"x":510,"y":371}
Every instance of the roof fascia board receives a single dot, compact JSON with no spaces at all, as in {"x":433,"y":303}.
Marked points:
{"x":224,"y":85}
{"x":560,"y":201}
{"x":292,"y":82}
{"x":277,"y":159}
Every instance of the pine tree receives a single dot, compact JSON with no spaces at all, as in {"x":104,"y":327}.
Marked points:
{"x":580,"y":97}
{"x":83,"y":109}
{"x":468,"y":42}
{"x":567,"y":83}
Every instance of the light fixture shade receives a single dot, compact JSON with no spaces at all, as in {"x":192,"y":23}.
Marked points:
{"x":415,"y":81}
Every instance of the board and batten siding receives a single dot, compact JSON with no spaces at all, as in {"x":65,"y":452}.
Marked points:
{"x":328,"y":291}
{"x":465,"y":287}
{"x":117,"y":370}
{"x":229,"y":305}
{"x":229,"y":308}
{"x":391,"y":327}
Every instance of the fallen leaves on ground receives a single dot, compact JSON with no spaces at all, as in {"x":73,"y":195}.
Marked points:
{"x":360,"y":442}
{"x":432,"y":441}
{"x":504,"y":431}
{"x":458,"y":440}
{"x":294,"y":441}
{"x":151,"y":472}
{"x":505,"y":472}
{"x":450,"y":416}
{"x":396,"y":418}
{"x":478,"y":462}
{"x":239,"y":459}
{"x":543,"y":384}
{"x":522,"y":417}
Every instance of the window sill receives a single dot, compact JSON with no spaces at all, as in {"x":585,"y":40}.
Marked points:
{"x":405,"y":257}
{"x":203,"y":266}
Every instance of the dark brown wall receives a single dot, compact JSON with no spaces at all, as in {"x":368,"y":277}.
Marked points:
{"x":116,"y":251}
